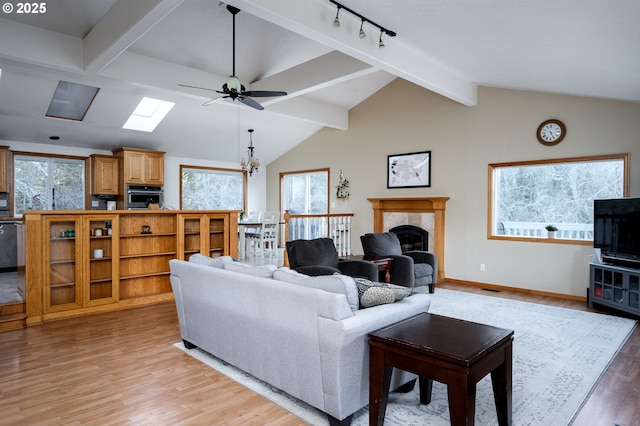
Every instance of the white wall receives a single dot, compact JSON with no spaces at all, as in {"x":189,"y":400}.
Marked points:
{"x":404,"y":118}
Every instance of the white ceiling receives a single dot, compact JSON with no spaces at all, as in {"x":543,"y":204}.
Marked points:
{"x":141,"y":48}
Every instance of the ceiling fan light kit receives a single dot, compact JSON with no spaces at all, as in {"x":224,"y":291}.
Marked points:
{"x":362,"y":34}
{"x":233,"y":88}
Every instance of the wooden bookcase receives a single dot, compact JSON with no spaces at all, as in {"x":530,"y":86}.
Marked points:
{"x":65,"y":278}
{"x":204,"y":233}
{"x":101,"y":273}
{"x":145,"y":254}
{"x":63,"y":274}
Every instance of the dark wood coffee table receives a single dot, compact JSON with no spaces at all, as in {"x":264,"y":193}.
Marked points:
{"x":451,"y":351}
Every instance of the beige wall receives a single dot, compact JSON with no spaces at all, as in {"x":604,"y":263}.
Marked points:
{"x":403,"y":118}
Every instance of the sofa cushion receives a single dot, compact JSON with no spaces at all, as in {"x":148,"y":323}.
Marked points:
{"x":336,"y":283}
{"x":264,"y":271}
{"x":422,"y":270}
{"x":217,"y":262}
{"x":373,"y":293}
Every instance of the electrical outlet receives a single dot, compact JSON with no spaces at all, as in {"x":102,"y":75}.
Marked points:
{"x":3,"y":203}
{"x":95,"y":203}
{"x":482,"y":267}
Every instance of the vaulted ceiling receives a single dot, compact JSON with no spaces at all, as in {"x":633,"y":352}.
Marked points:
{"x":135,"y":48}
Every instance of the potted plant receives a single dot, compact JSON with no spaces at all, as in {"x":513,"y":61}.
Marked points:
{"x":551,"y":231}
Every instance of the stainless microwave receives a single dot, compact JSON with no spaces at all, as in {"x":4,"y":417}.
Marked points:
{"x":138,"y":197}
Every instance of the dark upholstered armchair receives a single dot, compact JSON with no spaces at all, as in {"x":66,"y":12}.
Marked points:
{"x":319,"y":257}
{"x":413,"y":269}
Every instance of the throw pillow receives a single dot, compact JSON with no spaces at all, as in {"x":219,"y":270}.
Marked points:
{"x":373,"y":293}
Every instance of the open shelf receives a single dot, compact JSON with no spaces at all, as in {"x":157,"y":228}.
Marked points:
{"x":131,"y":256}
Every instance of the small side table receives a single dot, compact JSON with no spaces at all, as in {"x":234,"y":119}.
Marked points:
{"x":384,"y":266}
{"x":455,"y":352}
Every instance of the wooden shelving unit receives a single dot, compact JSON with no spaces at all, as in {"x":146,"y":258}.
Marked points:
{"x":64,"y":278}
{"x":101,"y":274}
{"x":206,"y":233}
{"x":61,"y":253}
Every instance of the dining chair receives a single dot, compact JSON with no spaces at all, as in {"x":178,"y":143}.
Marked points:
{"x":266,"y":237}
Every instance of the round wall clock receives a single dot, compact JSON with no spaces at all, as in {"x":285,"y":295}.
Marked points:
{"x":551,"y":132}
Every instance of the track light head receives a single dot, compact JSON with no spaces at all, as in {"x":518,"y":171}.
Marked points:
{"x":361,"y":33}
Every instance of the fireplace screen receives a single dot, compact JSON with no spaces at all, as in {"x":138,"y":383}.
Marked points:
{"x":411,"y":237}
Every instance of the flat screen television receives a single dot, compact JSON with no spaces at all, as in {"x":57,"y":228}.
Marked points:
{"x":616,"y":230}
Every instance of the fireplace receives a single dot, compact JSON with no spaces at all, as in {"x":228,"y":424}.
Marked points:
{"x":411,"y":237}
{"x":435,"y":206}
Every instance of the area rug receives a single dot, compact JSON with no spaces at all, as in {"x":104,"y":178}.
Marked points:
{"x":558,"y":357}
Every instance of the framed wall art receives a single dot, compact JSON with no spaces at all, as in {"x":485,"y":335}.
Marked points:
{"x":409,"y":170}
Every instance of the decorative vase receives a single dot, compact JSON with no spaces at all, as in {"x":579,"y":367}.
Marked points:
{"x":551,"y":234}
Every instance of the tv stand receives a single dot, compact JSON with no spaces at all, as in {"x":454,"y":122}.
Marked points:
{"x":615,"y":286}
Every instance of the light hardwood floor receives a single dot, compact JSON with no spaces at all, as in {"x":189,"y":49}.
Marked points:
{"x":121,"y":368}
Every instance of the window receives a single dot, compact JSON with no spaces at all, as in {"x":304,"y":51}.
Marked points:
{"x":527,"y":196}
{"x":305,"y":192}
{"x":210,"y":188}
{"x":43,"y":182}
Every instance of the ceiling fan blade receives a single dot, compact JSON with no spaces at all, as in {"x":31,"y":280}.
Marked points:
{"x":250,"y":102}
{"x":197,"y":87}
{"x":210,"y":101}
{"x":263,"y":93}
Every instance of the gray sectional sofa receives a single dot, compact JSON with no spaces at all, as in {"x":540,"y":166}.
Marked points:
{"x":304,"y":335}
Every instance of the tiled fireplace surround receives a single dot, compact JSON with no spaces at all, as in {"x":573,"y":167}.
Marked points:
{"x":426,"y":213}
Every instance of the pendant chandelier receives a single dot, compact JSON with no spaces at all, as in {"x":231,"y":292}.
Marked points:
{"x":253,"y":164}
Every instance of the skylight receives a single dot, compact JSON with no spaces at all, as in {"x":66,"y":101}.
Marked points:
{"x":148,"y":114}
{"x":71,"y":101}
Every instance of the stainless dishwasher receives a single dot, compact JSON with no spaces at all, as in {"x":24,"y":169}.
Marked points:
{"x":8,"y":245}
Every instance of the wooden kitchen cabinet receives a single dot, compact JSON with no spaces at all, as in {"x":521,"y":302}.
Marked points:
{"x":104,"y":175}
{"x":141,"y":167}
{"x":4,"y":150}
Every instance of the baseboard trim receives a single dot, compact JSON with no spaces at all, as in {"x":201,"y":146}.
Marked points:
{"x":517,"y":289}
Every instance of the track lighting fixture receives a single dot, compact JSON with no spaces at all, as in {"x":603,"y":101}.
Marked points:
{"x":336,"y":22}
{"x":361,"y":33}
